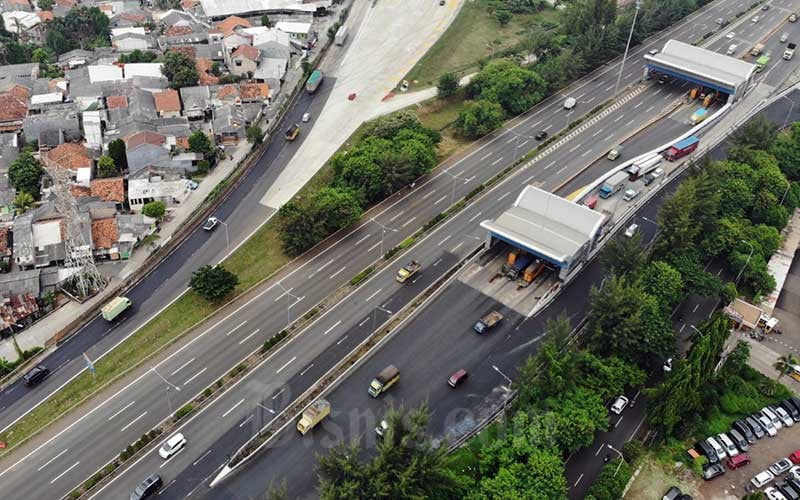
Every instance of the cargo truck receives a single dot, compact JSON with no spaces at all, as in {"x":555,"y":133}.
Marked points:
{"x":615,"y":152}
{"x":385,"y":379}
{"x":341,"y":36}
{"x":408,"y":271}
{"x":114,"y":308}
{"x":757,"y":50}
{"x":488,"y":322}
{"x":313,"y":415}
{"x":520,"y":263}
{"x":789,"y":52}
{"x":761,"y":63}
{"x":613,"y":184}
{"x":682,"y":148}
{"x":643,"y":167}
{"x":314,"y":81}
{"x":531,"y":273}
{"x":698,"y":116}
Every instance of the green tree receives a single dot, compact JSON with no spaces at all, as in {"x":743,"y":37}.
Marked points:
{"x":516,"y":89}
{"x":785,"y":365}
{"x":786,"y":150}
{"x":23,"y":201}
{"x":448,"y":85}
{"x":46,"y":4}
{"x":304,"y":224}
{"x":138,"y":56}
{"x":623,"y":256}
{"x":503,"y":16}
{"x":591,"y":28}
{"x":180,"y":70}
{"x":607,"y":377}
{"x":154,"y":209}
{"x":83,"y":27}
{"x":41,"y":55}
{"x":277,"y":491}
{"x":213,"y":282}
{"x":478,"y":118}
{"x":663,"y":282}
{"x":106,"y":167}
{"x":200,"y":143}
{"x":118,"y":153}
{"x":255,"y":135}
{"x":613,"y":478}
{"x":758,"y":133}
{"x":265,"y":21}
{"x":552,"y":370}
{"x":215,"y":69}
{"x":579,"y":414}
{"x":25,"y":174}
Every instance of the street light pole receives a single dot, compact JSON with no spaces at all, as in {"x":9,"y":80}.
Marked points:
{"x":227,"y":237}
{"x":383,"y":231}
{"x":627,"y":46}
{"x":621,"y":457}
{"x":508,"y":392}
{"x":655,"y":235}
{"x":453,"y":194}
{"x":289,"y":297}
{"x":789,"y":113}
{"x":698,"y":331}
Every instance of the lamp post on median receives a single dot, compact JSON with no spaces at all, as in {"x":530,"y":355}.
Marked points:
{"x":621,"y":457}
{"x":168,"y":385}
{"x":383,"y":231}
{"x":289,"y":297}
{"x":627,"y":46}
{"x":508,"y":392}
{"x":453,"y":193}
{"x":227,"y":236}
{"x":698,"y":331}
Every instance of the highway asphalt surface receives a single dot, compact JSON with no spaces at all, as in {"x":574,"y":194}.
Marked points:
{"x":83,"y":447}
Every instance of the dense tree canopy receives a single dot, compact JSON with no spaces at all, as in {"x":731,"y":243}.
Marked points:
{"x":180,"y":70}
{"x":514,"y":88}
{"x":304,"y":223}
{"x":213,"y":282}
{"x":25,"y":174}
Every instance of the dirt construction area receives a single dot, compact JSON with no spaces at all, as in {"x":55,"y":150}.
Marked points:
{"x":655,"y":478}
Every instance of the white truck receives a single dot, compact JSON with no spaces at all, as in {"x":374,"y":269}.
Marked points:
{"x":789,"y":52}
{"x":341,"y":36}
{"x":313,"y":415}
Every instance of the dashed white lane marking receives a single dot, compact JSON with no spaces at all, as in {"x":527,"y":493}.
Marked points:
{"x":181,"y":368}
{"x":52,"y":460}
{"x":133,"y":421}
{"x":249,"y":336}
{"x":379,"y":290}
{"x":362,"y":239}
{"x":121,"y":410}
{"x":237,"y":327}
{"x":285,"y":365}
{"x":344,"y":267}
{"x":329,"y":330}
{"x":65,"y":472}
{"x":232,"y":408}
{"x":190,"y":379}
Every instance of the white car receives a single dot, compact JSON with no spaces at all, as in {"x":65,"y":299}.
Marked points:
{"x":657,"y":172}
{"x":755,"y":19}
{"x":795,"y":472}
{"x":619,"y":405}
{"x":381,"y":429}
{"x":772,"y":493}
{"x":780,"y":466}
{"x":172,"y":446}
{"x":783,"y":415}
{"x":631,"y":230}
{"x":762,"y":478}
{"x":570,"y":103}
{"x":653,"y":52}
{"x":767,"y":425}
{"x":211,"y":223}
{"x":767,"y":412}
{"x":730,"y":35}
{"x":306,"y":117}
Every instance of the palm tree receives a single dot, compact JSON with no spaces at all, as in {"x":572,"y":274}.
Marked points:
{"x":785,"y":365}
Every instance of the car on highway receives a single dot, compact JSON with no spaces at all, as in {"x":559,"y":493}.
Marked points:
{"x":630,"y":194}
{"x":780,"y":466}
{"x":306,"y":117}
{"x":631,"y":230}
{"x":211,"y":223}
{"x":765,"y":7}
{"x":732,"y":49}
{"x":542,"y":135}
{"x":772,"y":493}
{"x":619,"y":405}
{"x":653,"y":52}
{"x":792,"y":18}
{"x":35,"y":375}
{"x":674,"y":493}
{"x":762,"y":479}
{"x":172,"y":446}
{"x":381,"y":428}
{"x":570,"y":103}
{"x":648,"y":179}
{"x":730,"y":35}
{"x":458,"y":378}
{"x":784,"y":37}
{"x":711,"y":471}
{"x":147,"y":487}
{"x":662,"y":79}
{"x":719,"y":21}
{"x":754,"y":19}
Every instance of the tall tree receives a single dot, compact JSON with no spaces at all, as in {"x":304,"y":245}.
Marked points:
{"x":213,"y":282}
{"x":516,"y":89}
{"x":106,"y":167}
{"x":25,"y":174}
{"x":785,"y":365}
{"x":758,"y":133}
{"x":552,"y":370}
{"x":200,"y":143}
{"x":117,"y":152}
{"x":623,"y":256}
{"x":180,"y":70}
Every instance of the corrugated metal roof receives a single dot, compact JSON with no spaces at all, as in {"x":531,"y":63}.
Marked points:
{"x":703,"y":63}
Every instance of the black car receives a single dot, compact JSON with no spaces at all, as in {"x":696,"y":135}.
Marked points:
{"x":794,"y":483}
{"x":673,"y":493}
{"x":794,"y":401}
{"x":147,"y":487}
{"x":36,"y":375}
{"x":788,"y":491}
{"x":745,"y":430}
{"x":790,"y":409}
{"x":713,"y":470}
{"x":755,"y":426}
{"x":707,"y":451}
{"x":765,"y":7}
{"x":648,"y":179}
{"x":540,"y":136}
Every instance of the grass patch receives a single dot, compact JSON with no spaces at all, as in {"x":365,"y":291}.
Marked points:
{"x":474,"y":35}
{"x":439,"y":114}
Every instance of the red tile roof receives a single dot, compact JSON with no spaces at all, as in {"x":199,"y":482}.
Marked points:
{"x":46,"y":15}
{"x":104,"y":232}
{"x":254,"y":90}
{"x":14,"y":104}
{"x":116,"y":101}
{"x":247,"y":51}
{"x":69,"y":155}
{"x":106,"y":7}
{"x":228,"y":91}
{"x":188,"y":4}
{"x":182,"y":142}
{"x":79,"y":191}
{"x":227,"y":26}
{"x":167,"y":101}
{"x":112,"y":189}
{"x":135,"y":17}
{"x":185,"y":50}
{"x":67,"y":3}
{"x":204,"y":69}
{"x":4,"y":249}
{"x":177,"y":30}
{"x":133,"y":141}
{"x":18,"y":2}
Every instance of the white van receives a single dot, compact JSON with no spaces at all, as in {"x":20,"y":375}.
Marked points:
{"x":570,"y":103}
{"x":718,"y":449}
{"x":727,"y":443}
{"x":772,"y":418}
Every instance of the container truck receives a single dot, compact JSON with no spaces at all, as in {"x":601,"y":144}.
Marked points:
{"x":789,"y":52}
{"x":314,"y":81}
{"x":531,"y":273}
{"x":520,"y":263}
{"x":761,"y":63}
{"x":313,"y":415}
{"x":682,"y":148}
{"x":385,"y":379}
{"x":643,"y":167}
{"x":341,"y":36}
{"x":408,"y":271}
{"x":613,"y":184}
{"x":113,"y":309}
{"x":698,"y":116}
{"x":488,"y":322}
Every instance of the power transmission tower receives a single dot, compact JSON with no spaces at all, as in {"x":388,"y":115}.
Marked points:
{"x":85,"y":279}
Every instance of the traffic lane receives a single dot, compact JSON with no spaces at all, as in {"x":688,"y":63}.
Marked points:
{"x":238,"y":409}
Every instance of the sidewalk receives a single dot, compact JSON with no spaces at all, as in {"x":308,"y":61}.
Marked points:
{"x":39,"y":333}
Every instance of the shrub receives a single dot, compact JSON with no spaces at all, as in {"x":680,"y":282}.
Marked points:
{"x":183,"y":411}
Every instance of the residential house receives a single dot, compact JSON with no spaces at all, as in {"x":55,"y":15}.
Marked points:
{"x":56,"y":125}
{"x":25,"y":24}
{"x":16,"y":5}
{"x":128,"y":42}
{"x":111,"y":189}
{"x":298,"y":32}
{"x":132,"y":229}
{"x":133,"y":70}
{"x":131,"y":18}
{"x":45,"y":16}
{"x":204,"y":67}
{"x":225,"y":94}
{"x":13,"y":108}
{"x":255,"y":93}
{"x":176,"y":18}
{"x":99,"y":73}
{"x":152,"y":184}
{"x":228,"y":125}
{"x":168,"y":103}
{"x":226,"y":27}
{"x":193,"y":34}
{"x":233,"y":40}
{"x":196,"y":102}
{"x":19,"y":309}
{"x":9,"y":150}
{"x":76,"y":58}
{"x":73,"y":157}
{"x":271,"y":42}
{"x":93,"y":129}
{"x":105,"y":237}
{"x":243,"y":61}
{"x":18,"y":74}
{"x":212,"y":51}
{"x":146,"y":148}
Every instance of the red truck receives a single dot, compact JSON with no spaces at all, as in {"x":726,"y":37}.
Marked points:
{"x":682,"y":148}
